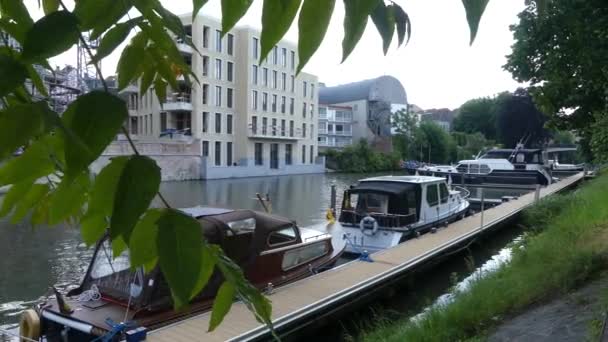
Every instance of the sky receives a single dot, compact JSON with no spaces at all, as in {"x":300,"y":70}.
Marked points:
{"x":438,"y":68}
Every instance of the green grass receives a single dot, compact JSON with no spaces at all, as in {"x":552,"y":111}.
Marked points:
{"x":567,"y":241}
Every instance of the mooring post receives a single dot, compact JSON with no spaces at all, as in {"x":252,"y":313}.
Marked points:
{"x":333,"y":198}
{"x":482,"y":207}
{"x":537,"y":193}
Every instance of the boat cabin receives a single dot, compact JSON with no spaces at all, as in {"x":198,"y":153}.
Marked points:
{"x":518,"y":157}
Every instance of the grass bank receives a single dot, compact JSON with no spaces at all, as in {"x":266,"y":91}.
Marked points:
{"x":566,"y":242}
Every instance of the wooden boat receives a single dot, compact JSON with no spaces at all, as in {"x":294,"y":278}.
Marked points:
{"x":271,"y":250}
{"x":382,"y":212}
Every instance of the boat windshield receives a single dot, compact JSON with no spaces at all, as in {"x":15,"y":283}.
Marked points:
{"x":370,"y":202}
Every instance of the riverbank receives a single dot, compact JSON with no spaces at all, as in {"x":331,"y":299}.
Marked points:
{"x":566,"y":244}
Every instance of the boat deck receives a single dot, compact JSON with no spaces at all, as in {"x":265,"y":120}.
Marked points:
{"x":309,"y":296}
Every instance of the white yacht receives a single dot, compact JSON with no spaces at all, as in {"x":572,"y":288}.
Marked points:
{"x":381,"y":212}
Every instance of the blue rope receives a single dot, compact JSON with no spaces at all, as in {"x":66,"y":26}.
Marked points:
{"x":117,"y":328}
{"x":363,"y":255}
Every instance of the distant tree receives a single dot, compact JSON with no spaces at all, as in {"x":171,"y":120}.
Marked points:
{"x":563,"y":138}
{"x":405,"y":125}
{"x":517,"y":118}
{"x":477,"y":115}
{"x":431,"y":143}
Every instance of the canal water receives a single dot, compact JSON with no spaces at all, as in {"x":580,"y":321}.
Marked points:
{"x":34,"y":258}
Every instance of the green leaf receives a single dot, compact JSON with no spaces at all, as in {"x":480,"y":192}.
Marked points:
{"x":92,"y":228}
{"x":138,"y":184}
{"x":100,"y":15}
{"x":221,"y":304}
{"x":31,"y":198}
{"x":277,"y":16}
{"x":130,"y":60}
{"x":16,"y":10}
{"x":179,"y":244}
{"x":114,"y":37}
{"x":148,"y":74}
{"x":34,"y":163}
{"x":118,"y":246}
{"x":14,"y":30}
{"x":104,"y":187}
{"x":474,"y":10}
{"x":171,"y":21}
{"x":20,"y":123}
{"x":13,"y":196}
{"x":143,"y":239}
{"x":312,"y":26}
{"x":50,"y":6}
{"x":12,"y":74}
{"x":355,"y":19}
{"x":50,"y":36}
{"x":160,"y":87}
{"x":232,"y":11}
{"x":95,"y":118}
{"x":384,"y":19}
{"x":209,"y":260}
{"x":67,"y":199}
{"x":402,"y":20}
{"x":196,"y":7}
{"x":34,"y":76}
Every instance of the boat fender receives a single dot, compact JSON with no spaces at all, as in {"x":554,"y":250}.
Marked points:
{"x":368,"y":223}
{"x":29,"y":325}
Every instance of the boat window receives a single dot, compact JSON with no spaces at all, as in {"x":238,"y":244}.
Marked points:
{"x":303,"y":255}
{"x":113,"y":275}
{"x":520,"y":158}
{"x":483,"y":168}
{"x":106,"y":264}
{"x":283,"y":236}
{"x":474,"y":168}
{"x":432,"y":197}
{"x":443,"y":192}
{"x":372,"y":203}
{"x":464,"y":168}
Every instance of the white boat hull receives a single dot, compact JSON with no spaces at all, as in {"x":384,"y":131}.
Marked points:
{"x":358,"y":242}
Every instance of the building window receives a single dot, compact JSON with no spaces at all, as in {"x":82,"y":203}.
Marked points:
{"x":312,"y":152}
{"x":163,"y":121}
{"x":291,"y":105}
{"x":229,"y":96}
{"x":254,"y":125}
{"x":218,"y":41}
{"x":283,"y":103}
{"x":303,"y":109}
{"x":230,"y":42}
{"x":229,"y":71}
{"x":205,"y":148}
{"x":229,"y":124}
{"x":254,"y":47}
{"x":274,"y":156}
{"x":274,"y":79}
{"x":283,"y":128}
{"x":205,"y":122}
{"x":206,"y":37}
{"x":205,"y":65}
{"x":229,"y":153}
{"x":284,"y":81}
{"x":273,"y":129}
{"x":265,"y":77}
{"x":218,"y":69}
{"x":312,"y":110}
{"x":254,"y":99}
{"x":218,"y":123}
{"x":288,"y":154}
{"x":284,"y":57}
{"x":291,"y":128}
{"x":303,"y":130}
{"x":254,"y":74}
{"x":218,"y":96}
{"x":259,"y":154}
{"x":275,"y":55}
{"x":293,"y":84}
{"x":264,"y":126}
{"x":265,"y":102}
{"x":312,"y":91}
{"x":304,"y":88}
{"x":293,"y":60}
{"x":218,"y":153}
{"x":205,"y":94}
{"x":274,"y":103}
{"x":303,"y":154}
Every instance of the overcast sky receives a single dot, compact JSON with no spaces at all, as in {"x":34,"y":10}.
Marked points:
{"x":438,"y":68}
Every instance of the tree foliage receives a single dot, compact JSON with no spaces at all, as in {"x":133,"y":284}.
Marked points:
{"x":360,"y":157}
{"x":477,"y":116}
{"x":51,"y":180}
{"x":518,"y":119}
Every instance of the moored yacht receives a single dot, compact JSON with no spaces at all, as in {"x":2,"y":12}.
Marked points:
{"x":381,"y":212}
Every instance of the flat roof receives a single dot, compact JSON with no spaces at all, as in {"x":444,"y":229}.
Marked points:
{"x":404,"y":179}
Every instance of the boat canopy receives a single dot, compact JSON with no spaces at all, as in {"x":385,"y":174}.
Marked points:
{"x":393,"y":188}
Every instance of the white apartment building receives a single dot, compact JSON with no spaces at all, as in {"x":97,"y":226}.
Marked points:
{"x":250,"y":119}
{"x":335,"y":126}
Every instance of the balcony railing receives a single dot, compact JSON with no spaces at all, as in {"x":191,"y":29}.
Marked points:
{"x":178,"y":97}
{"x":273,"y":132}
{"x":178,"y":102}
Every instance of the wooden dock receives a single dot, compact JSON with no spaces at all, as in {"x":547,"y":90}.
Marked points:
{"x":307,"y":298}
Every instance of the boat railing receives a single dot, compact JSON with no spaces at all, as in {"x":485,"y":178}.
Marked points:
{"x":464,"y":192}
{"x":319,"y":236}
{"x":383,"y":219}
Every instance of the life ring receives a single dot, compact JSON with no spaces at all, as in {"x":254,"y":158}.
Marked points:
{"x":29,"y":325}
{"x":368,"y":223}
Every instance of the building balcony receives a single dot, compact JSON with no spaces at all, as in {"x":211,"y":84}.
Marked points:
{"x":177,"y":102}
{"x":261,"y":132}
{"x":341,"y":134}
{"x":336,"y":144}
{"x":183,"y":47}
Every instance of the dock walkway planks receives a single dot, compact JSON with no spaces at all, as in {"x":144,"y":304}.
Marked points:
{"x":303,"y":298}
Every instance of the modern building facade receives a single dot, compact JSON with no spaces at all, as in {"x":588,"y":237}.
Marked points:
{"x":372,"y":102}
{"x":251,"y":119}
{"x":335,"y":126}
